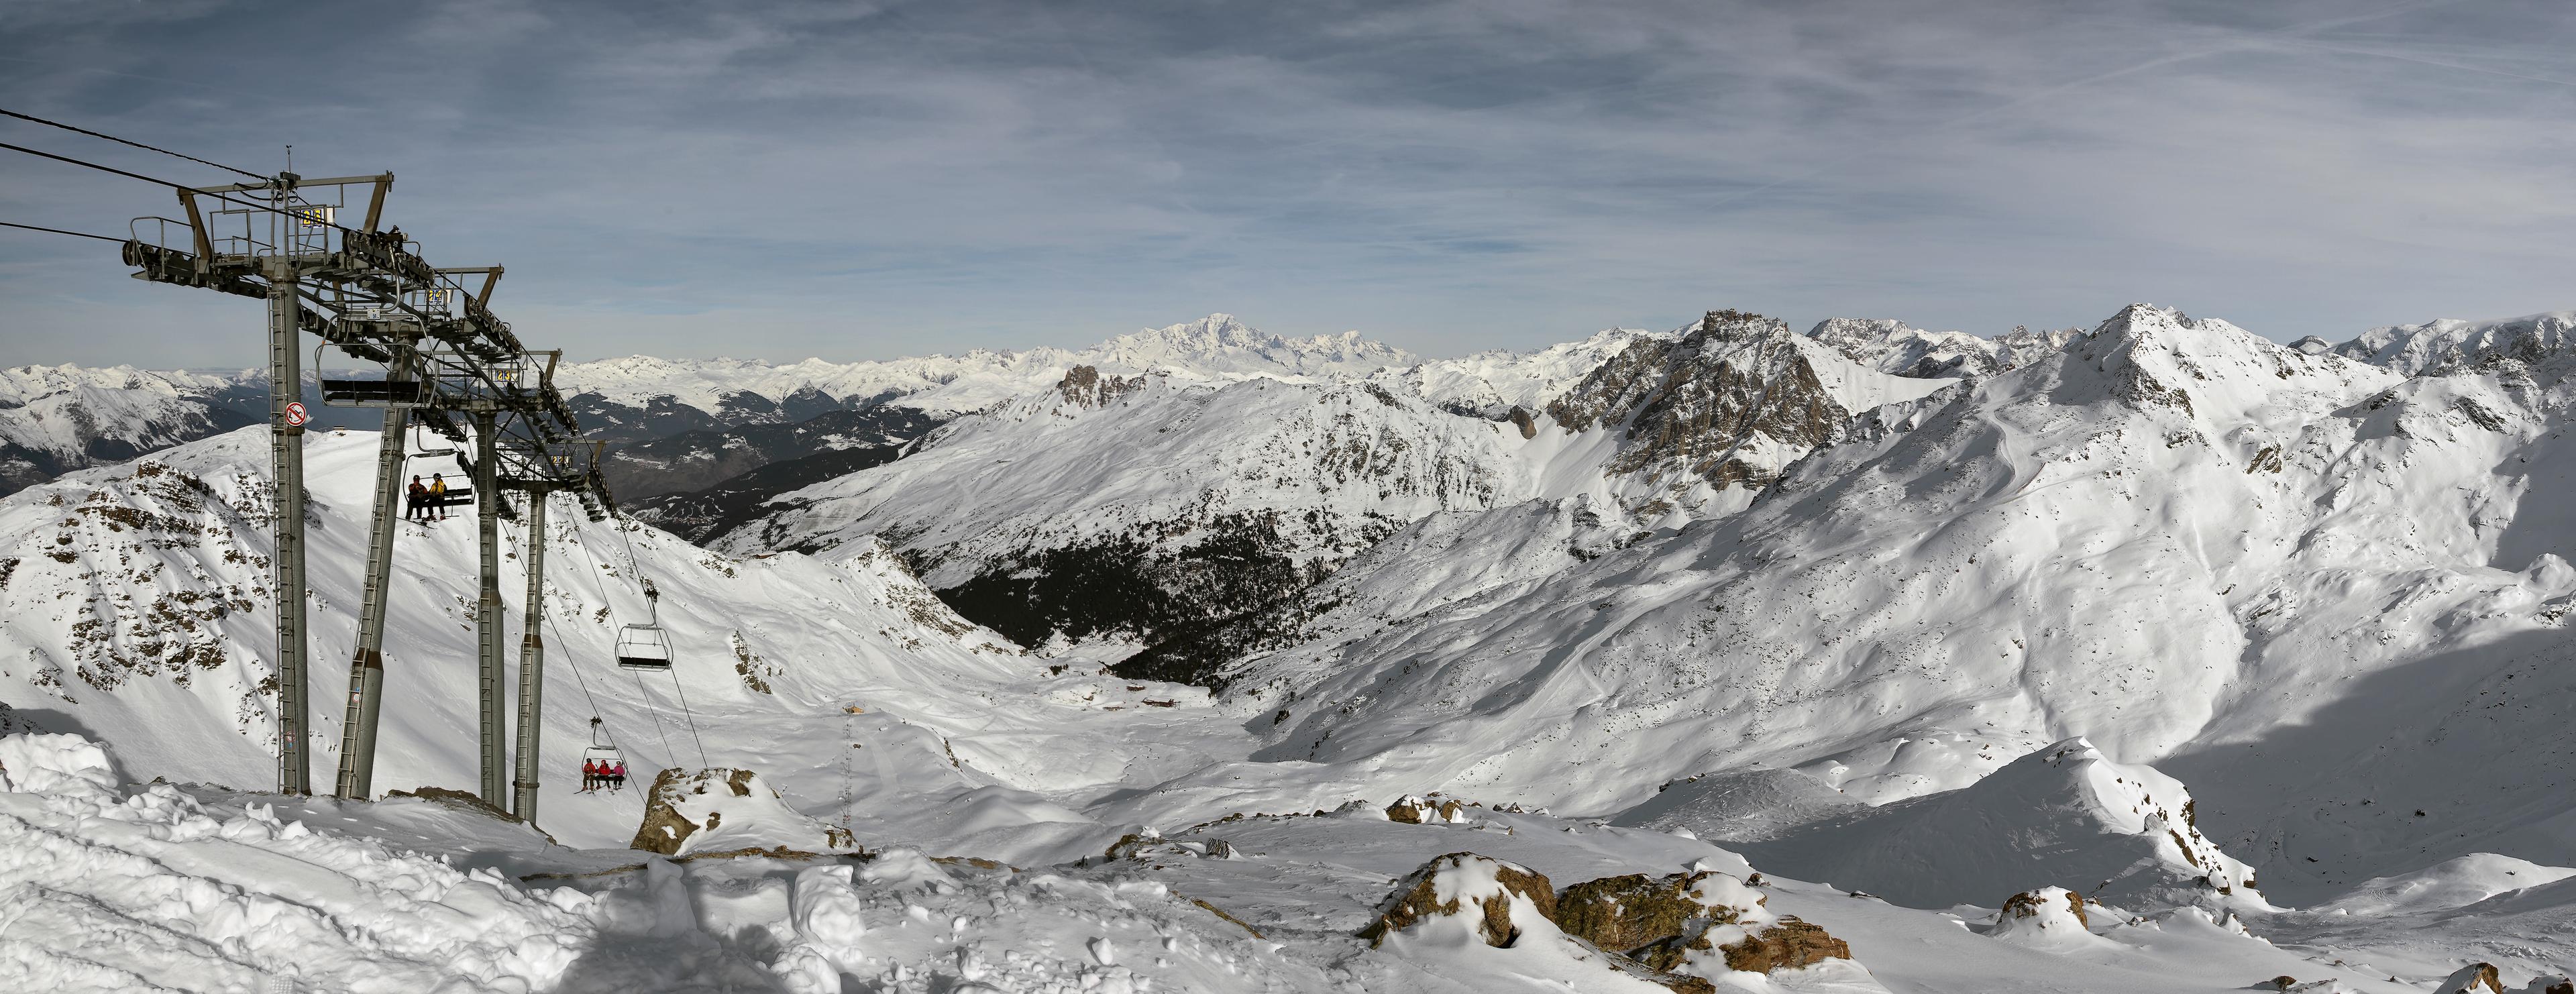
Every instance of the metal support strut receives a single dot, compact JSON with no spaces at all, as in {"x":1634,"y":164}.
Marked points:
{"x":286,"y":567}
{"x":367,"y":666}
{"x":532,"y":663}
{"x":487,"y":615}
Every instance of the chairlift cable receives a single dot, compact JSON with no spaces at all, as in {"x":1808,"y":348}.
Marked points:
{"x":631,"y":562}
{"x":123,"y":141}
{"x":691,"y":716}
{"x":611,"y":606}
{"x":59,"y":231}
{"x":600,"y":581}
{"x":161,"y":182}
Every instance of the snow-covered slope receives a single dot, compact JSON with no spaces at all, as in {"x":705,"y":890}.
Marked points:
{"x":2062,"y":816}
{"x":2269,"y":573}
{"x":134,"y":606}
{"x":113,"y":886}
{"x":1150,"y":507}
{"x":1201,"y":501}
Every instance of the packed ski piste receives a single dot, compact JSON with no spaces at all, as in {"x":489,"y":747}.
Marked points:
{"x":2149,"y":657}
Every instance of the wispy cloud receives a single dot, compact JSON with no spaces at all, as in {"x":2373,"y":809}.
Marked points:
{"x":868,"y":180}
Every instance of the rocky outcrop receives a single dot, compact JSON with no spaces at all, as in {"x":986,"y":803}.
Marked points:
{"x":2483,"y":978}
{"x":2054,"y":920}
{"x":1083,"y":386}
{"x":2039,"y":907}
{"x":1692,"y":925}
{"x":1480,"y":892}
{"x":2475,"y":978}
{"x":665,"y":828}
{"x":1787,"y":945}
{"x":1413,"y":810}
{"x":1629,"y":912}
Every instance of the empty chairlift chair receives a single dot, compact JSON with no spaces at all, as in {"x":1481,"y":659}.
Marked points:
{"x":645,"y":646}
{"x":433,"y":448}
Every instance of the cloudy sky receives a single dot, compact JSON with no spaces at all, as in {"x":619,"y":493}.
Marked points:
{"x":853,"y":181}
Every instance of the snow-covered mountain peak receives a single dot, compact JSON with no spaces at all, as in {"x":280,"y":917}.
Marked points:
{"x":1215,"y":331}
{"x":1729,"y":326}
{"x":1491,"y":383}
{"x":2443,"y":343}
{"x":22,"y":384}
{"x":1221,"y":343}
{"x":1724,"y":405}
{"x":2225,"y":377}
{"x":1900,"y":349}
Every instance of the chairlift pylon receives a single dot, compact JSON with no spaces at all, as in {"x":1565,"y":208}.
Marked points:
{"x":645,"y":646}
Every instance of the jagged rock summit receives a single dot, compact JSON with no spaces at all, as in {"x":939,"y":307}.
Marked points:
{"x":1724,"y":405}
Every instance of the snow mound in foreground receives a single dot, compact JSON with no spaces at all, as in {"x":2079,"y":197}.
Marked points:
{"x":2047,"y":918}
{"x":109,"y":889}
{"x":2482,"y":978}
{"x":1485,"y":922}
{"x":106,"y":888}
{"x":2061,"y":815}
{"x":723,"y":810}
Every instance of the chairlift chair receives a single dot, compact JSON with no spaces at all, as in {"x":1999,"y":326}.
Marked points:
{"x":601,"y":751}
{"x":454,"y":497}
{"x":427,"y":452}
{"x":646,"y":646}
{"x":378,"y":390}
